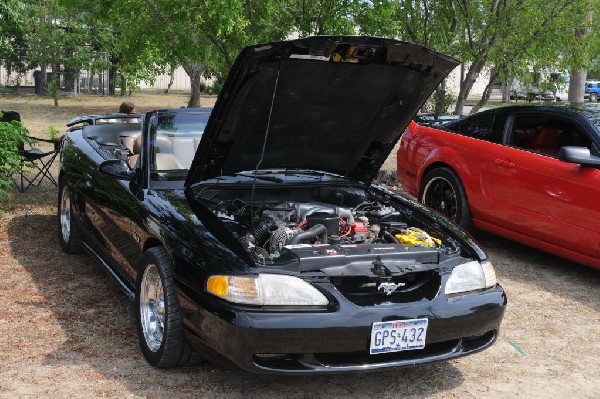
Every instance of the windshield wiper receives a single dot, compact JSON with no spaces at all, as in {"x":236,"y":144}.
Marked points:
{"x":262,"y":177}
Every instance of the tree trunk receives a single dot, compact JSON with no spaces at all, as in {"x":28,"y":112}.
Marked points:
{"x":55,"y":83}
{"x":506,"y":90}
{"x":462,"y":77}
{"x":171,"y":78}
{"x":470,"y":78}
{"x":123,"y":85}
{"x":112,"y":77}
{"x":577,"y":85}
{"x":579,"y":75}
{"x":487,"y":92}
{"x":43,"y":81}
{"x":441,"y":108}
{"x":194,"y":71}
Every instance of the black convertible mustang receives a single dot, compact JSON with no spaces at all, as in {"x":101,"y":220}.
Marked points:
{"x":252,"y":235}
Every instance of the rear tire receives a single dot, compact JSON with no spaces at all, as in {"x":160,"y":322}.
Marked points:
{"x":442,"y":190}
{"x":69,"y":233}
{"x":159,"y":317}
{"x":593,"y":97}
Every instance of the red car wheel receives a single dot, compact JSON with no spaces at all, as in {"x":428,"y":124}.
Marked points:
{"x":443,"y":191}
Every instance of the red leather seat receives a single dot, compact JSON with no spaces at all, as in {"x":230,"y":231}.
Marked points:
{"x":547,"y":140}
{"x":523,"y":137}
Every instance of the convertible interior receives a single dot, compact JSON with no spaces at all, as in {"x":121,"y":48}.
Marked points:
{"x":546,"y":135}
{"x":173,"y":150}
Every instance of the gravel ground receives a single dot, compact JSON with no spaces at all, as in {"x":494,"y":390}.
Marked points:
{"x":67,"y":331}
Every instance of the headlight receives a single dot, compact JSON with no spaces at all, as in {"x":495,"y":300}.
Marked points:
{"x":266,"y":290}
{"x":471,"y":276}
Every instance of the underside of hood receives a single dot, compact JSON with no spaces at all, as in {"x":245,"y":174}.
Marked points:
{"x":336,"y":104}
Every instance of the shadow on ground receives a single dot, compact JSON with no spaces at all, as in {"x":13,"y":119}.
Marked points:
{"x":550,"y":273}
{"x":96,"y":319}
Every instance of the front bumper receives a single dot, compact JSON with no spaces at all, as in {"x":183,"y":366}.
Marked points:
{"x":338,"y":341}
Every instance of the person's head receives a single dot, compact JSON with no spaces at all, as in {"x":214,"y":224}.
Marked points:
{"x":127,"y":107}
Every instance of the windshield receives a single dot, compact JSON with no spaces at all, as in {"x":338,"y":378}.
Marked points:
{"x":174,"y":138}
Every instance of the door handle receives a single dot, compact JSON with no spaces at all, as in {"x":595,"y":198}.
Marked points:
{"x":502,"y":162}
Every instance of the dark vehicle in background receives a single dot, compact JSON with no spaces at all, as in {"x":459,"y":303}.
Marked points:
{"x":529,"y":173}
{"x":545,"y":95}
{"x":254,"y":236}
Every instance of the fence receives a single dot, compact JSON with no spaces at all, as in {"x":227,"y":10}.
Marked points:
{"x":70,"y":81}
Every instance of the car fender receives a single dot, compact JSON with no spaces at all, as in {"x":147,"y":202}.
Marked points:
{"x":446,"y":157}
{"x":442,"y":156}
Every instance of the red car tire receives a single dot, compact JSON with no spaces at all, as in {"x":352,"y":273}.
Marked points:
{"x":442,"y":190}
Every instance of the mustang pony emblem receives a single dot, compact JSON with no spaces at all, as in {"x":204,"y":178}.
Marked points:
{"x":389,"y":288}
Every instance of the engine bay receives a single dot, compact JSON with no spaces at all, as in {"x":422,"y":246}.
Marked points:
{"x":271,"y":226}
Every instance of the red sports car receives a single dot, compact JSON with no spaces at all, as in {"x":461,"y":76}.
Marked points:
{"x":529,"y":173}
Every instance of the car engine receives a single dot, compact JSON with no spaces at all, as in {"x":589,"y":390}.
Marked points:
{"x":265,"y":230}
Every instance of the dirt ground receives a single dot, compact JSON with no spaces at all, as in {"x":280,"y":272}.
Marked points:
{"x":66,"y":330}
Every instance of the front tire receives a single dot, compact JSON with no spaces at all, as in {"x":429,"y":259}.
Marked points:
{"x":69,"y":233}
{"x":593,"y":97}
{"x":158,"y":313}
{"x":443,"y":191}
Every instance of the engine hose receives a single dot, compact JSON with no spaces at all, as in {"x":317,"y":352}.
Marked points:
{"x":262,"y":228}
{"x":314,"y":232}
{"x":345,"y":214}
{"x":389,"y":237}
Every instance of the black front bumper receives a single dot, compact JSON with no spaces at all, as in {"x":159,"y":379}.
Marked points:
{"x":338,"y":341}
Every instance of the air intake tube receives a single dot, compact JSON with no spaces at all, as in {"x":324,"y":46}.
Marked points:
{"x":318,"y":230}
{"x":261,"y":229}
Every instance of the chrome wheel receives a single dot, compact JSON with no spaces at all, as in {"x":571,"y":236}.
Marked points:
{"x":65,"y":215}
{"x":152,"y":308}
{"x":440,"y":195}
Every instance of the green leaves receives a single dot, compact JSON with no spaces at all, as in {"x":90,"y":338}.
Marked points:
{"x":144,"y":37}
{"x":11,"y":134}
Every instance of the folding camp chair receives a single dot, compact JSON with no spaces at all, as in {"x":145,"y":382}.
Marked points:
{"x":42,"y":160}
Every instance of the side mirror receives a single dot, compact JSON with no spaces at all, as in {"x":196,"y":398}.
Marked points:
{"x":117,"y":168}
{"x":580,"y":155}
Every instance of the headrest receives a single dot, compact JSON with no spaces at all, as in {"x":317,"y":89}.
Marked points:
{"x":547,"y":137}
{"x":523,"y":137}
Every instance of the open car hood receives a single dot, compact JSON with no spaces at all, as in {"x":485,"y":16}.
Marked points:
{"x":336,"y":104}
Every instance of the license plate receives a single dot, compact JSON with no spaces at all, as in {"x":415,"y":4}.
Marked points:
{"x":398,"y":335}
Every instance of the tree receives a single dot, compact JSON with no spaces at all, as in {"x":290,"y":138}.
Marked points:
{"x":52,"y":35}
{"x":11,"y":135}
{"x":527,"y":44}
{"x":433,"y":24}
{"x":201,"y":36}
{"x":323,"y":17}
{"x":586,"y":45}
{"x":507,"y":37}
{"x":11,"y":36}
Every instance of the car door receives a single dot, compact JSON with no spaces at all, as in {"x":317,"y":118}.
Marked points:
{"x":542,"y":197}
{"x":107,"y":204}
{"x":108,"y":210}
{"x":482,"y":139}
{"x":167,"y":147}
